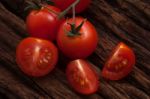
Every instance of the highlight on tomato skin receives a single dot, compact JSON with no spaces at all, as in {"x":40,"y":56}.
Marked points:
{"x":43,"y":23}
{"x":120,"y":63}
{"x":36,"y":57}
{"x":77,"y":43}
{"x":82,"y":77}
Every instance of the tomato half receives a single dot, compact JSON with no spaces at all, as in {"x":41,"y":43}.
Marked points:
{"x":82,"y":77}
{"x":63,"y":4}
{"x":44,"y":23}
{"x":78,"y":46}
{"x":120,"y":63}
{"x":36,"y":57}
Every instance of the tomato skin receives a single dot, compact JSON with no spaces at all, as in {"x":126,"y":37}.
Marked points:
{"x":120,"y":63}
{"x":43,"y":23}
{"x":82,"y":77}
{"x":79,"y":46}
{"x":63,"y":4}
{"x":36,"y":57}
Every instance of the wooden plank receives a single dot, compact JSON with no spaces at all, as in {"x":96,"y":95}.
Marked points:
{"x":113,"y":25}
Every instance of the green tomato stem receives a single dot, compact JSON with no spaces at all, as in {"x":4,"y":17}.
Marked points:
{"x":62,"y":14}
{"x":74,"y":14}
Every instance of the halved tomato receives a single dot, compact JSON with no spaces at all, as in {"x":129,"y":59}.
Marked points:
{"x":120,"y":63}
{"x":82,"y":77}
{"x":36,"y":57}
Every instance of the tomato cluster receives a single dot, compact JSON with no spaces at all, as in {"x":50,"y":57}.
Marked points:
{"x":77,"y":39}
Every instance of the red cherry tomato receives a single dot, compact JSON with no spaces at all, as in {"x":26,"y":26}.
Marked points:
{"x":120,"y":63}
{"x":36,"y":57}
{"x":44,"y":23}
{"x":63,"y":4}
{"x":82,"y":77}
{"x":77,"y":46}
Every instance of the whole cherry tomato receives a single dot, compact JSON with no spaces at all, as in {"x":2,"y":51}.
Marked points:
{"x":77,"y":40}
{"x":81,"y":6}
{"x":44,"y":23}
{"x":82,"y":77}
{"x":120,"y":63}
{"x":36,"y":57}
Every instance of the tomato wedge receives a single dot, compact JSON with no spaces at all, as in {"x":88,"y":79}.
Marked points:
{"x":120,"y":63}
{"x":36,"y":57}
{"x":82,"y":77}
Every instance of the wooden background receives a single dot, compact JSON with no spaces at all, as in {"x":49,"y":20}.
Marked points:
{"x":115,"y":21}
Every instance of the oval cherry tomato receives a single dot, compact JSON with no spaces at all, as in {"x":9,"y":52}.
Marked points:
{"x":120,"y":63}
{"x":36,"y":57}
{"x":82,"y":77}
{"x":44,"y":23}
{"x":77,"y":46}
{"x":81,"y":6}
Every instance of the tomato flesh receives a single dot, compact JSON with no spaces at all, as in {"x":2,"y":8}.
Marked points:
{"x":120,"y":63}
{"x":82,"y":77}
{"x":36,"y":57}
{"x":44,"y":23}
{"x":78,"y":46}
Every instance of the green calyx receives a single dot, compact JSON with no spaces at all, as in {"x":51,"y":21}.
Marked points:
{"x":37,"y":5}
{"x":47,"y":2}
{"x":75,"y":31}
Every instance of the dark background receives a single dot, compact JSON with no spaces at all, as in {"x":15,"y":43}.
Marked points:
{"x":115,"y":20}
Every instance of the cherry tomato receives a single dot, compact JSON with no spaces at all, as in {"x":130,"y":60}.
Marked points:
{"x":81,"y":6}
{"x":82,"y":77}
{"x":44,"y":23}
{"x":120,"y":63}
{"x":80,"y":45}
{"x":36,"y":57}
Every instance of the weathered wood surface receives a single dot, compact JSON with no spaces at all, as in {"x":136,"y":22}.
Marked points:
{"x":115,"y":21}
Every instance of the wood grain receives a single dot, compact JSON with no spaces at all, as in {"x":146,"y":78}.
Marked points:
{"x":119,"y":20}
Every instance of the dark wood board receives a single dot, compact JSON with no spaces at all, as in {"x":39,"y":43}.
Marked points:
{"x":115,"y":20}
